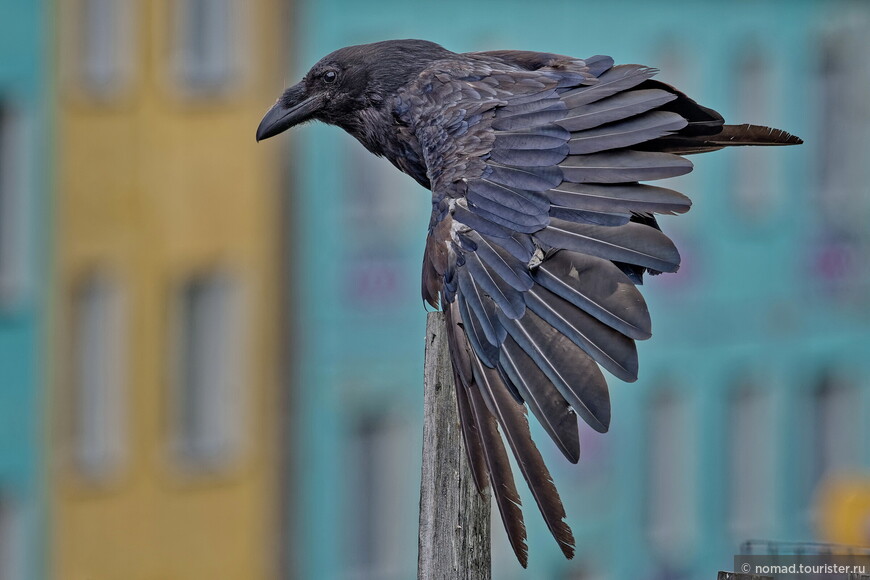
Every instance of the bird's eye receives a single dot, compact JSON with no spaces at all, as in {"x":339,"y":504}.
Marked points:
{"x":330,"y":76}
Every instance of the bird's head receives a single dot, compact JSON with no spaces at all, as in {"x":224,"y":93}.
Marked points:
{"x":347,"y":82}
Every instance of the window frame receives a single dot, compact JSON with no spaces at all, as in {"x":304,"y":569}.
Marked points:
{"x":752,"y":406}
{"x":73,"y":58}
{"x":107,"y":463}
{"x":224,"y":446}
{"x":13,"y":541}
{"x":672,"y":541}
{"x":182,"y":68}
{"x":15,"y":205}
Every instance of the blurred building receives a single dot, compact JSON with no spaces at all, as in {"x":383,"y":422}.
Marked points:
{"x":751,"y":416}
{"x":24,"y":235}
{"x":144,"y":372}
{"x":165,"y":459}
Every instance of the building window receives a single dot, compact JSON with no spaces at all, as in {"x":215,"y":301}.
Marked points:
{"x":752,"y":473}
{"x":379,"y":454}
{"x":837,"y":410}
{"x":105,"y":45}
{"x":375,"y":221}
{"x":13,"y":214}
{"x":673,"y":478}
{"x":12,"y":545}
{"x":830,"y":435}
{"x":844,"y":123}
{"x":99,"y":374}
{"x":755,"y":188}
{"x":205,"y":45}
{"x":208,"y":372}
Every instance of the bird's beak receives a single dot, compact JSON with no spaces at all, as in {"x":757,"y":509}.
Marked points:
{"x":294,"y":107}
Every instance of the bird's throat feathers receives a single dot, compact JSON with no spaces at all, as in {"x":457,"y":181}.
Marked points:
{"x":391,"y":139}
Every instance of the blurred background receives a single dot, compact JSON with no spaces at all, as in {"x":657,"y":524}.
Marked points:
{"x":211,"y":350}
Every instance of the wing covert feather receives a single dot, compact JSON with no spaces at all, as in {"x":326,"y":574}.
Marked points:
{"x":534,"y":161}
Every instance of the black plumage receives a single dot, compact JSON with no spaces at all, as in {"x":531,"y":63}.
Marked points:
{"x":539,"y":232}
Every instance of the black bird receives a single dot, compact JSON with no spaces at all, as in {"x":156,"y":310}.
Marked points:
{"x":540,"y":229}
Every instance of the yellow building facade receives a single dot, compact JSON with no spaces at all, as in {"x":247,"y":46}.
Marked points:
{"x":165,"y":433}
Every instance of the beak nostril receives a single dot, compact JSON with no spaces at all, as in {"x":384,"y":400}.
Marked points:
{"x":289,"y":110}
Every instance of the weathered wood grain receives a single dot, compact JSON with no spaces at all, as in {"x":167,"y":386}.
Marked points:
{"x":454,"y":518}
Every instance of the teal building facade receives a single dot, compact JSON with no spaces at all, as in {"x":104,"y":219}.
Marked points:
{"x":753,"y":398}
{"x":25,"y":167}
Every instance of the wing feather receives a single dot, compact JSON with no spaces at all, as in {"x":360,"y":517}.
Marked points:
{"x":632,"y":243}
{"x":508,"y":268}
{"x":572,"y":371}
{"x":617,"y":79}
{"x":529,"y":178}
{"x":518,"y":245}
{"x":482,"y":225}
{"x":529,"y":157}
{"x":545,"y":401}
{"x":539,"y":233}
{"x":519,"y":200}
{"x":632,"y":131}
{"x":508,"y":299}
{"x":511,"y":416}
{"x":546,"y":137}
{"x":619,"y":106}
{"x":507,"y":499}
{"x":482,"y":347}
{"x":460,"y":358}
{"x":588,"y":216}
{"x":608,"y":347}
{"x":483,"y":307}
{"x":523,"y":221}
{"x":623,"y":166}
{"x":516,"y":121}
{"x":619,"y":198}
{"x":599,"y":288}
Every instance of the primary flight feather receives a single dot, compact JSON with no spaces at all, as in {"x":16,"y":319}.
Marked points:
{"x":539,"y":232}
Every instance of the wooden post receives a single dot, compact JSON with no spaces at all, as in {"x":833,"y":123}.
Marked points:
{"x":454,"y":539}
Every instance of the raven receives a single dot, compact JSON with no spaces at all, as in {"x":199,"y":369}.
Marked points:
{"x":540,"y":230}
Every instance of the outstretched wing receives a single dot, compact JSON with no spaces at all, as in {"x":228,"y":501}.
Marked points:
{"x":539,"y":231}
